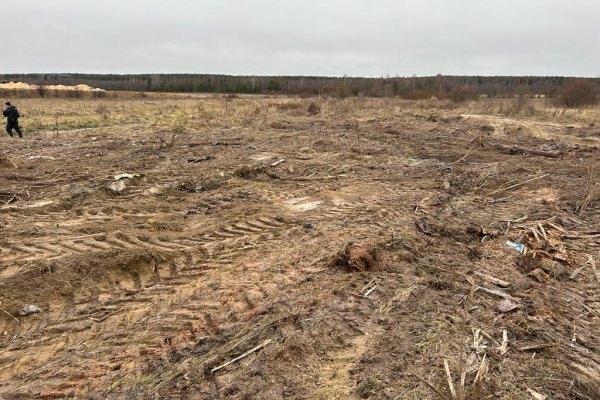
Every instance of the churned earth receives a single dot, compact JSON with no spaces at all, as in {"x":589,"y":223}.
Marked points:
{"x":275,"y":248}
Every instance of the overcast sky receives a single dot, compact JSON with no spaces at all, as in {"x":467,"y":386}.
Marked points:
{"x":306,"y":37}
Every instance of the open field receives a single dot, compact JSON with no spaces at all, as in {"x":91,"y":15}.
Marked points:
{"x":259,"y":250}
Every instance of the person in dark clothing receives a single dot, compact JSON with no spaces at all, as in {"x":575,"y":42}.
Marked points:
{"x":12,"y":119}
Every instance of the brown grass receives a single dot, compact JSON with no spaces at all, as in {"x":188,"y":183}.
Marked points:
{"x":239,"y":248}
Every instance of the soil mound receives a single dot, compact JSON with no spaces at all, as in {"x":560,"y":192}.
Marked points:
{"x":355,"y":257}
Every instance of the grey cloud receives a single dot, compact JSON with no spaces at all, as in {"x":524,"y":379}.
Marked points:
{"x":336,"y":37}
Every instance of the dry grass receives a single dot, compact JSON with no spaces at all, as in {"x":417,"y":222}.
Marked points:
{"x":196,"y":113}
{"x":6,"y":162}
{"x":258,"y":269}
{"x":592,"y":192}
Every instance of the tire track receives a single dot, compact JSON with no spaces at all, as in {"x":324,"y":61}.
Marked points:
{"x":151,"y":308}
{"x":45,"y":248}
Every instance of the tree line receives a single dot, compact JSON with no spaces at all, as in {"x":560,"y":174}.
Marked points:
{"x":441,"y":86}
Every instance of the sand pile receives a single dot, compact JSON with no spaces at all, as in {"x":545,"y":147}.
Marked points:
{"x":16,"y":85}
{"x":27,"y":86}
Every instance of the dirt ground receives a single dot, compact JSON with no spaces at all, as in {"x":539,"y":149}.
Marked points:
{"x":273,"y":249}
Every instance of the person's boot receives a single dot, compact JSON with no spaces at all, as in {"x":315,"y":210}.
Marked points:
{"x":11,"y":135}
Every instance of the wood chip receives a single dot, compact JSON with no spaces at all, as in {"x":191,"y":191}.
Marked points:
{"x":507,"y":306}
{"x":539,"y":275}
{"x":368,"y":285}
{"x":543,"y":231}
{"x":558,"y":228}
{"x":536,"y":395}
{"x":449,"y":379}
{"x":371,"y":291}
{"x":535,"y":234}
{"x":537,"y":347}
{"x":246,"y":354}
{"x":495,"y":292}
{"x":576,"y":272}
{"x":492,"y":279}
{"x":503,"y":349}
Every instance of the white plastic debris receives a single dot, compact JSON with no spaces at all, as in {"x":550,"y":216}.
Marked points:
{"x":29,"y":309}
{"x":40,"y":157}
{"x":125,"y":176}
{"x":117,"y":186}
{"x":517,"y":246}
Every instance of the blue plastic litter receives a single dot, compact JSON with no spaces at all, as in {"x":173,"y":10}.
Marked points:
{"x":517,"y":246}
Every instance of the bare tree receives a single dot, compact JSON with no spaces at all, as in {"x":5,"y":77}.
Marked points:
{"x":42,"y":90}
{"x":578,"y":92}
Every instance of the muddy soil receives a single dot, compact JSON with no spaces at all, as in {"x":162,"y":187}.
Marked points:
{"x":330,"y":252}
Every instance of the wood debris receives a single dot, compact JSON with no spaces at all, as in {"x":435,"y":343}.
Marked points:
{"x":246,"y":354}
{"x":503,"y":349}
{"x":276,"y":163}
{"x":537,"y":347}
{"x":536,"y":395}
{"x":491,"y":279}
{"x":495,"y":292}
{"x":507,"y":306}
{"x":522,"y":150}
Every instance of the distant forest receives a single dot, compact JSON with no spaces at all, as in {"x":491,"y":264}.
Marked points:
{"x":440,"y":86}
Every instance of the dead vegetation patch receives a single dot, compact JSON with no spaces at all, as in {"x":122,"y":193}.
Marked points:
{"x":397,"y":256}
{"x":255,"y":172}
{"x":354,"y":257}
{"x":6,"y":162}
{"x":314,"y":108}
{"x":195,"y":185}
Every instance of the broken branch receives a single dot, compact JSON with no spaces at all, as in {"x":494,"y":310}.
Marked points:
{"x":516,"y":185}
{"x":246,"y":354}
{"x":523,"y":150}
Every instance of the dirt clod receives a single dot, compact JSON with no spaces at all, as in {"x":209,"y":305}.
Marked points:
{"x":254,"y":172}
{"x":424,"y":226}
{"x":356,"y":258}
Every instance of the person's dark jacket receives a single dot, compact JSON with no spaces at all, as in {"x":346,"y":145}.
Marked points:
{"x":11,"y":113}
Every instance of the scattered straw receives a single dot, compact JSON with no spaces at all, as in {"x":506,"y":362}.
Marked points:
{"x":399,"y":297}
{"x":6,"y":162}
